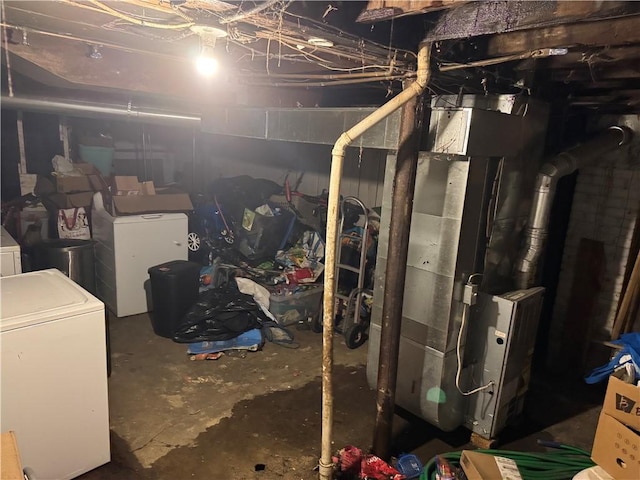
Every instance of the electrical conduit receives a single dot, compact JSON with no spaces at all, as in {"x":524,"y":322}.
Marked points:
{"x":337,"y":162}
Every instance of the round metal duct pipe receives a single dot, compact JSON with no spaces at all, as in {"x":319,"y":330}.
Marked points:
{"x":563,"y":164}
{"x":97,"y":110}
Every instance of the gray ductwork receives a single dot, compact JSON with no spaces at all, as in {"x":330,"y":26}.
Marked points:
{"x":545,"y":187}
{"x":299,"y":125}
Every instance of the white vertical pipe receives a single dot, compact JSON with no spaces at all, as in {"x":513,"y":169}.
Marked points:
{"x":337,"y":163}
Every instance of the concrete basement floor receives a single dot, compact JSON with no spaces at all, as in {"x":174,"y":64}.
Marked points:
{"x":172,"y":418}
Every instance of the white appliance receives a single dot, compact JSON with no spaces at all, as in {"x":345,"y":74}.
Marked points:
{"x":10,"y":262}
{"x":54,"y":374}
{"x":126,"y":247}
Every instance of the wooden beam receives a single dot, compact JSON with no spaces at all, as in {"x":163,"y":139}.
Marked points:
{"x":583,"y":73}
{"x":586,"y":56}
{"x":379,"y":10}
{"x":617,"y":31}
{"x":488,"y":17}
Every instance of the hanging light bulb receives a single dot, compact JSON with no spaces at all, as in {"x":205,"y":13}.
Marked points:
{"x":207,"y":63}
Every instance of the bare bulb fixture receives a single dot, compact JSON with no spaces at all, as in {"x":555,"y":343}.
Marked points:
{"x":207,"y":63}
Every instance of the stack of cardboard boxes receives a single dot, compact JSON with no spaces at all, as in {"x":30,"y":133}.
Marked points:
{"x":70,"y":191}
{"x":123,"y":195}
{"x":616,"y":447}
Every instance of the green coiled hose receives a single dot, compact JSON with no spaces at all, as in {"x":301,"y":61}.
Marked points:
{"x":562,"y":464}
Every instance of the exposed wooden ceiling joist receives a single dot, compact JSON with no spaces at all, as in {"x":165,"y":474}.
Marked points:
{"x":616,"y":31}
{"x":489,"y":17}
{"x":379,"y":10}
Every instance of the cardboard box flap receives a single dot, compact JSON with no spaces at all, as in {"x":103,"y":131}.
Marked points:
{"x":622,"y":402}
{"x":126,"y":185}
{"x":98,"y":183}
{"x":137,"y":204}
{"x":44,"y":186}
{"x":481,"y":466}
{"x":147,"y":188}
{"x":86,"y":168}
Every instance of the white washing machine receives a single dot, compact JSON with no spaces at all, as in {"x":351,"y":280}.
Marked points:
{"x":10,"y":262}
{"x":53,"y":374}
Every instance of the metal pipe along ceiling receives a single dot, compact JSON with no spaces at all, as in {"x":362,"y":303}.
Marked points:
{"x":98,"y":110}
{"x":563,"y":164}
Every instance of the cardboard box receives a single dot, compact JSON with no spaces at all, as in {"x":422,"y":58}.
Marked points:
{"x":68,"y":184}
{"x":622,"y":402}
{"x":133,"y":198}
{"x":68,"y":200}
{"x":163,"y":203}
{"x":87,"y":168}
{"x":10,"y":464}
{"x":481,"y":466}
{"x":616,"y":448}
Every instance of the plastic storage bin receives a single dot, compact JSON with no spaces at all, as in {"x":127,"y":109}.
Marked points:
{"x":174,"y":288}
{"x":291,"y":308}
{"x":100,"y":157}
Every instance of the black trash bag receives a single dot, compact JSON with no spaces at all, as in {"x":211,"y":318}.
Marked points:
{"x":219,"y":314}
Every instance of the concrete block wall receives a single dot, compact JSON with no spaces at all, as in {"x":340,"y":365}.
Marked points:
{"x":605,"y":208}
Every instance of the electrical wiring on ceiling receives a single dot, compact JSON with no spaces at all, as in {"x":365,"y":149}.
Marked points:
{"x":68,"y":36}
{"x":306,"y":84}
{"x":241,"y":15}
{"x":267,"y":26}
{"x":137,"y":21}
{"x":275,"y":23}
{"x":103,"y":8}
{"x":331,"y":29}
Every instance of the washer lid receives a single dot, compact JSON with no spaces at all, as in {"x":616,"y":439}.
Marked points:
{"x":37,"y":297}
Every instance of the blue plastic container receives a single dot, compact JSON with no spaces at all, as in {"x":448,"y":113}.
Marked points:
{"x":101,"y":157}
{"x":409,"y":465}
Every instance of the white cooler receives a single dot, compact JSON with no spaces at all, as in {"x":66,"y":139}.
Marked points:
{"x":126,"y":247}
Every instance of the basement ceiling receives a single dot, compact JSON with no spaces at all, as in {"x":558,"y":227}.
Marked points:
{"x":308,"y":53}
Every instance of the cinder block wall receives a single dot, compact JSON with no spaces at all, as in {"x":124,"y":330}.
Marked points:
{"x":605,"y":208}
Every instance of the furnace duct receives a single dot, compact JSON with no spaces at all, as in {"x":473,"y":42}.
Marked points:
{"x":545,"y":187}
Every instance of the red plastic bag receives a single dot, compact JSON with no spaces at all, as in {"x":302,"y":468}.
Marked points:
{"x":374,"y":468}
{"x":352,"y":463}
